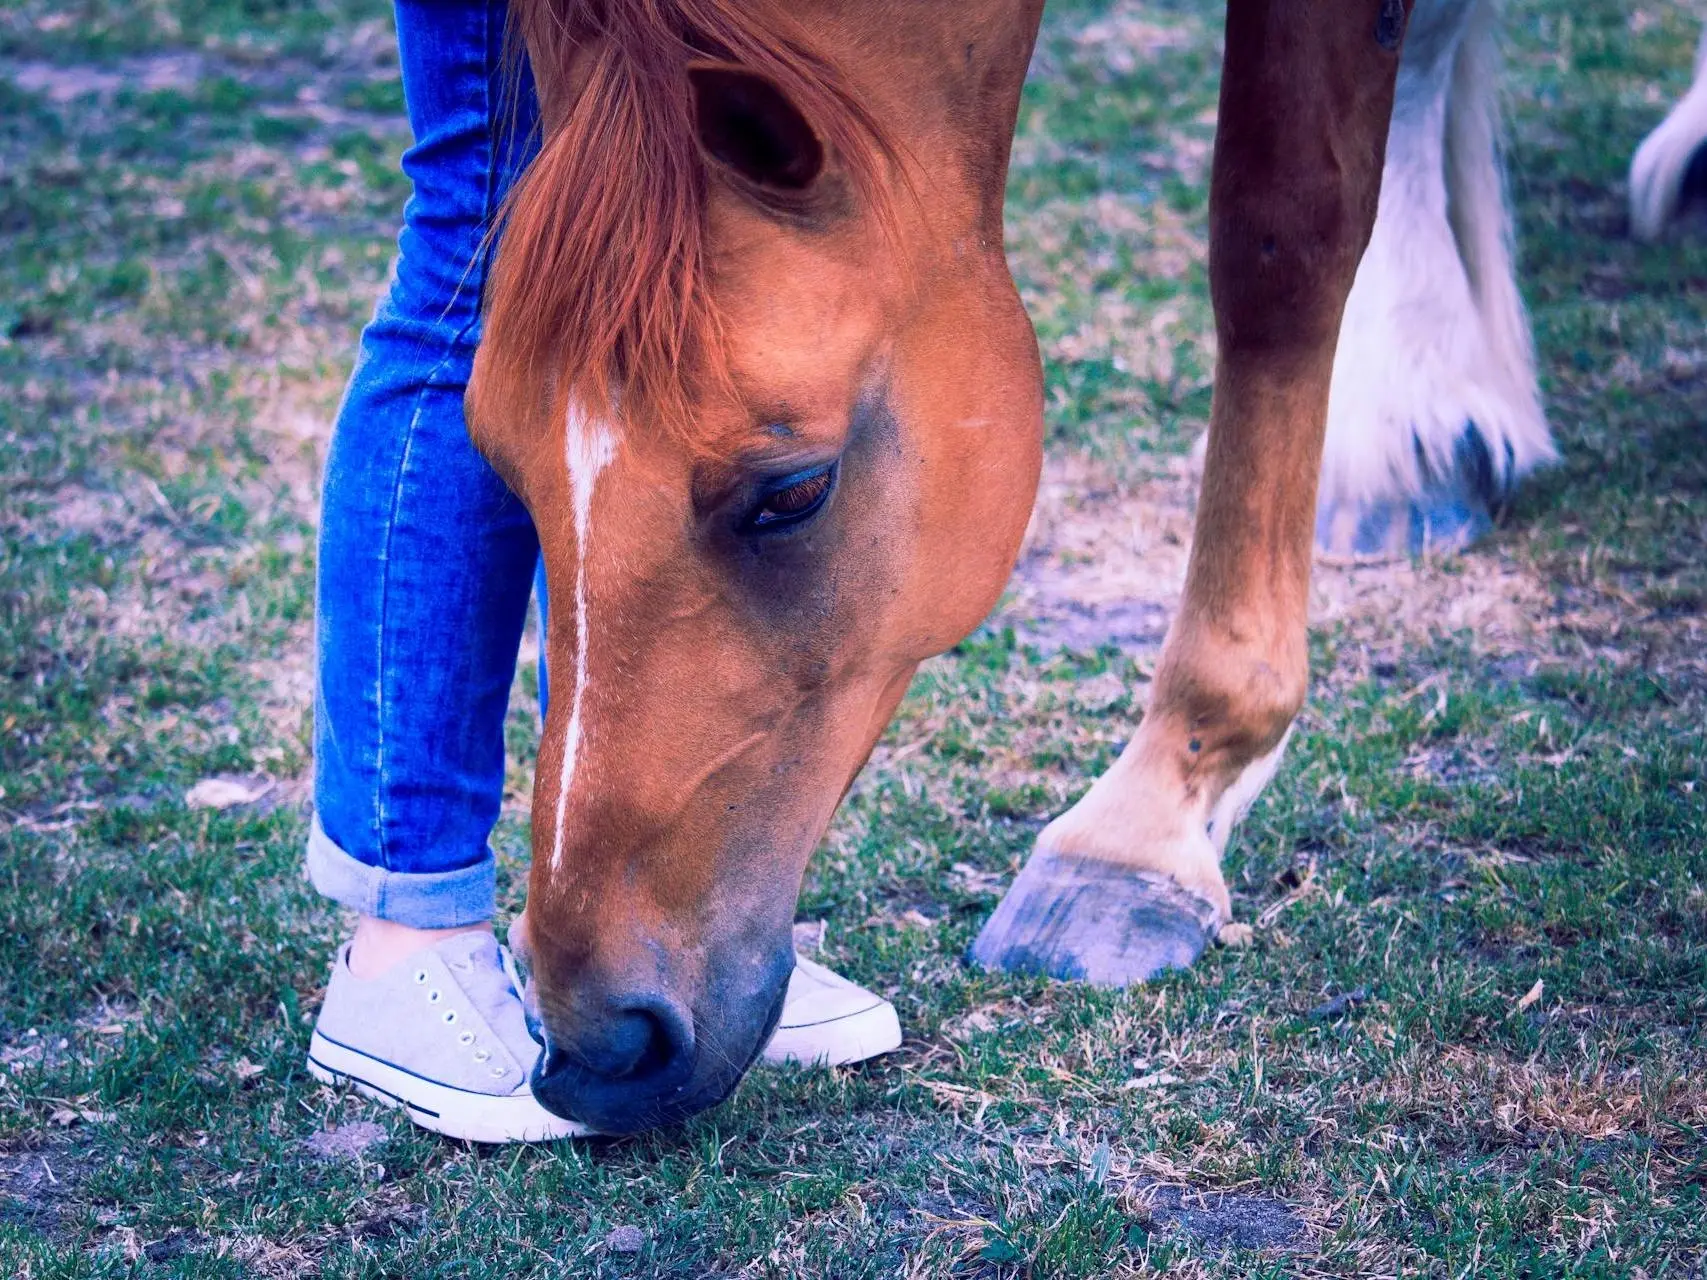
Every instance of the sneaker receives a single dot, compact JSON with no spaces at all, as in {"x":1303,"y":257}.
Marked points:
{"x":443,"y":1036}
{"x":828,"y":1021}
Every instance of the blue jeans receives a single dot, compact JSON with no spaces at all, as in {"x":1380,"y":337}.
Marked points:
{"x":426,"y":558}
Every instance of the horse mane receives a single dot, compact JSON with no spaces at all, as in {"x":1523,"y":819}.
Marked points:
{"x":599,"y":291}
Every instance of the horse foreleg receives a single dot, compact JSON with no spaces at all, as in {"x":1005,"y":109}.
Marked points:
{"x":1128,"y":881}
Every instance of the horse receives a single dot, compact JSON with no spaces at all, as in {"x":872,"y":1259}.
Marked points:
{"x":754,"y":362}
{"x":1435,"y":413}
{"x":1669,"y":169}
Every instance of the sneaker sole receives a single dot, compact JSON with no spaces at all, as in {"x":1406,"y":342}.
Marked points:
{"x":838,"y":1042}
{"x":443,"y":1108}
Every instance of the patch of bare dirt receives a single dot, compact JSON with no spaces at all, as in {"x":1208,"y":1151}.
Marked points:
{"x":66,"y":82}
{"x":1104,"y":564}
{"x":346,"y":1141}
{"x":1222,"y":1219}
{"x":37,"y":1185}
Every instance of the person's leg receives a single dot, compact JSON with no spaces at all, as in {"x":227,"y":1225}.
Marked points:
{"x":426,"y":562}
{"x":426,"y":558}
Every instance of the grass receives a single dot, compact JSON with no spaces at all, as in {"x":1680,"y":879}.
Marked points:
{"x":1467,"y":1040}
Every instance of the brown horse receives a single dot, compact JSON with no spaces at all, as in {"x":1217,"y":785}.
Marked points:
{"x":755,"y":363}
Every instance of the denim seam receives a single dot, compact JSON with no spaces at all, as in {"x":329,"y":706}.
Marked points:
{"x":478,"y":267}
{"x":480,"y":261}
{"x":381,"y":773}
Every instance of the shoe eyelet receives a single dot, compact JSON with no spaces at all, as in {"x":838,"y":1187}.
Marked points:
{"x":497,"y":1071}
{"x":433,"y":997}
{"x":467,"y":1037}
{"x":420,"y":976}
{"x":449,"y":1016}
{"x":480,"y":1055}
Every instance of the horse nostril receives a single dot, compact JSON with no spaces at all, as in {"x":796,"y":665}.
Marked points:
{"x":640,"y":1046}
{"x":643,"y":1040}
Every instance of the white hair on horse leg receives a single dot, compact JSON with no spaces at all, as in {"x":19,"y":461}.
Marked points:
{"x":1657,"y":170}
{"x":1435,"y":338}
{"x":588,"y":448}
{"x":1236,"y":800}
{"x":1479,"y":207}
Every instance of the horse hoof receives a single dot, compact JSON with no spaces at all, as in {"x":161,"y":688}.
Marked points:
{"x":1090,"y":920}
{"x":1396,"y":529}
{"x":1454,"y":511}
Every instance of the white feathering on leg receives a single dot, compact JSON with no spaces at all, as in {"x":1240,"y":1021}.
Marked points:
{"x":1658,"y":168}
{"x":1435,"y":337}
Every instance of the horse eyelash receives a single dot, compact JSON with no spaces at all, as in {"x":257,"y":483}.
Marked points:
{"x":814,"y":487}
{"x":817,"y":485}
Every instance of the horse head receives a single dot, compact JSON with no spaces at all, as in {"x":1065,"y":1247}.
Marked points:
{"x":755,"y":364}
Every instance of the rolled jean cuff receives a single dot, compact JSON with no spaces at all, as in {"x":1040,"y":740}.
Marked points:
{"x":419,"y":899}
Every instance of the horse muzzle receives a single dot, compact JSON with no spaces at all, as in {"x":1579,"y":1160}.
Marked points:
{"x":644,"y":1059}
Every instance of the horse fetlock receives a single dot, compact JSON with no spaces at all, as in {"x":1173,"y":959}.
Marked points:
{"x":1221,"y":703}
{"x":1146,"y":825}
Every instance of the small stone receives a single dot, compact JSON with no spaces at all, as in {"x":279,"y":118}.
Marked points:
{"x":625,"y":1240}
{"x":227,"y":792}
{"x":173,"y":1245}
{"x":346,"y":1142}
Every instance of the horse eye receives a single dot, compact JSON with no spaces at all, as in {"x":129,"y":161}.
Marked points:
{"x":797,"y":499}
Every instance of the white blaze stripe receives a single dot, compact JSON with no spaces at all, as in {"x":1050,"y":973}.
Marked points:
{"x":588,"y":448}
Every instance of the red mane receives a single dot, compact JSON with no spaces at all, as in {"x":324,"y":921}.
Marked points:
{"x":600,"y":281}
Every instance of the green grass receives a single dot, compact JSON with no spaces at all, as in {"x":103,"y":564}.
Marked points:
{"x":1468,"y":810}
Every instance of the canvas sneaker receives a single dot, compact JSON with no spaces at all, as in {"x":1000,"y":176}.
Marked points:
{"x":442,"y":1035}
{"x":828,"y":1021}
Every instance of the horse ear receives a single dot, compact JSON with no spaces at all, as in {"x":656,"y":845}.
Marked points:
{"x":747,"y":125}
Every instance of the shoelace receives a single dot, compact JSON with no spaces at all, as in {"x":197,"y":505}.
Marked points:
{"x":466,"y":1038}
